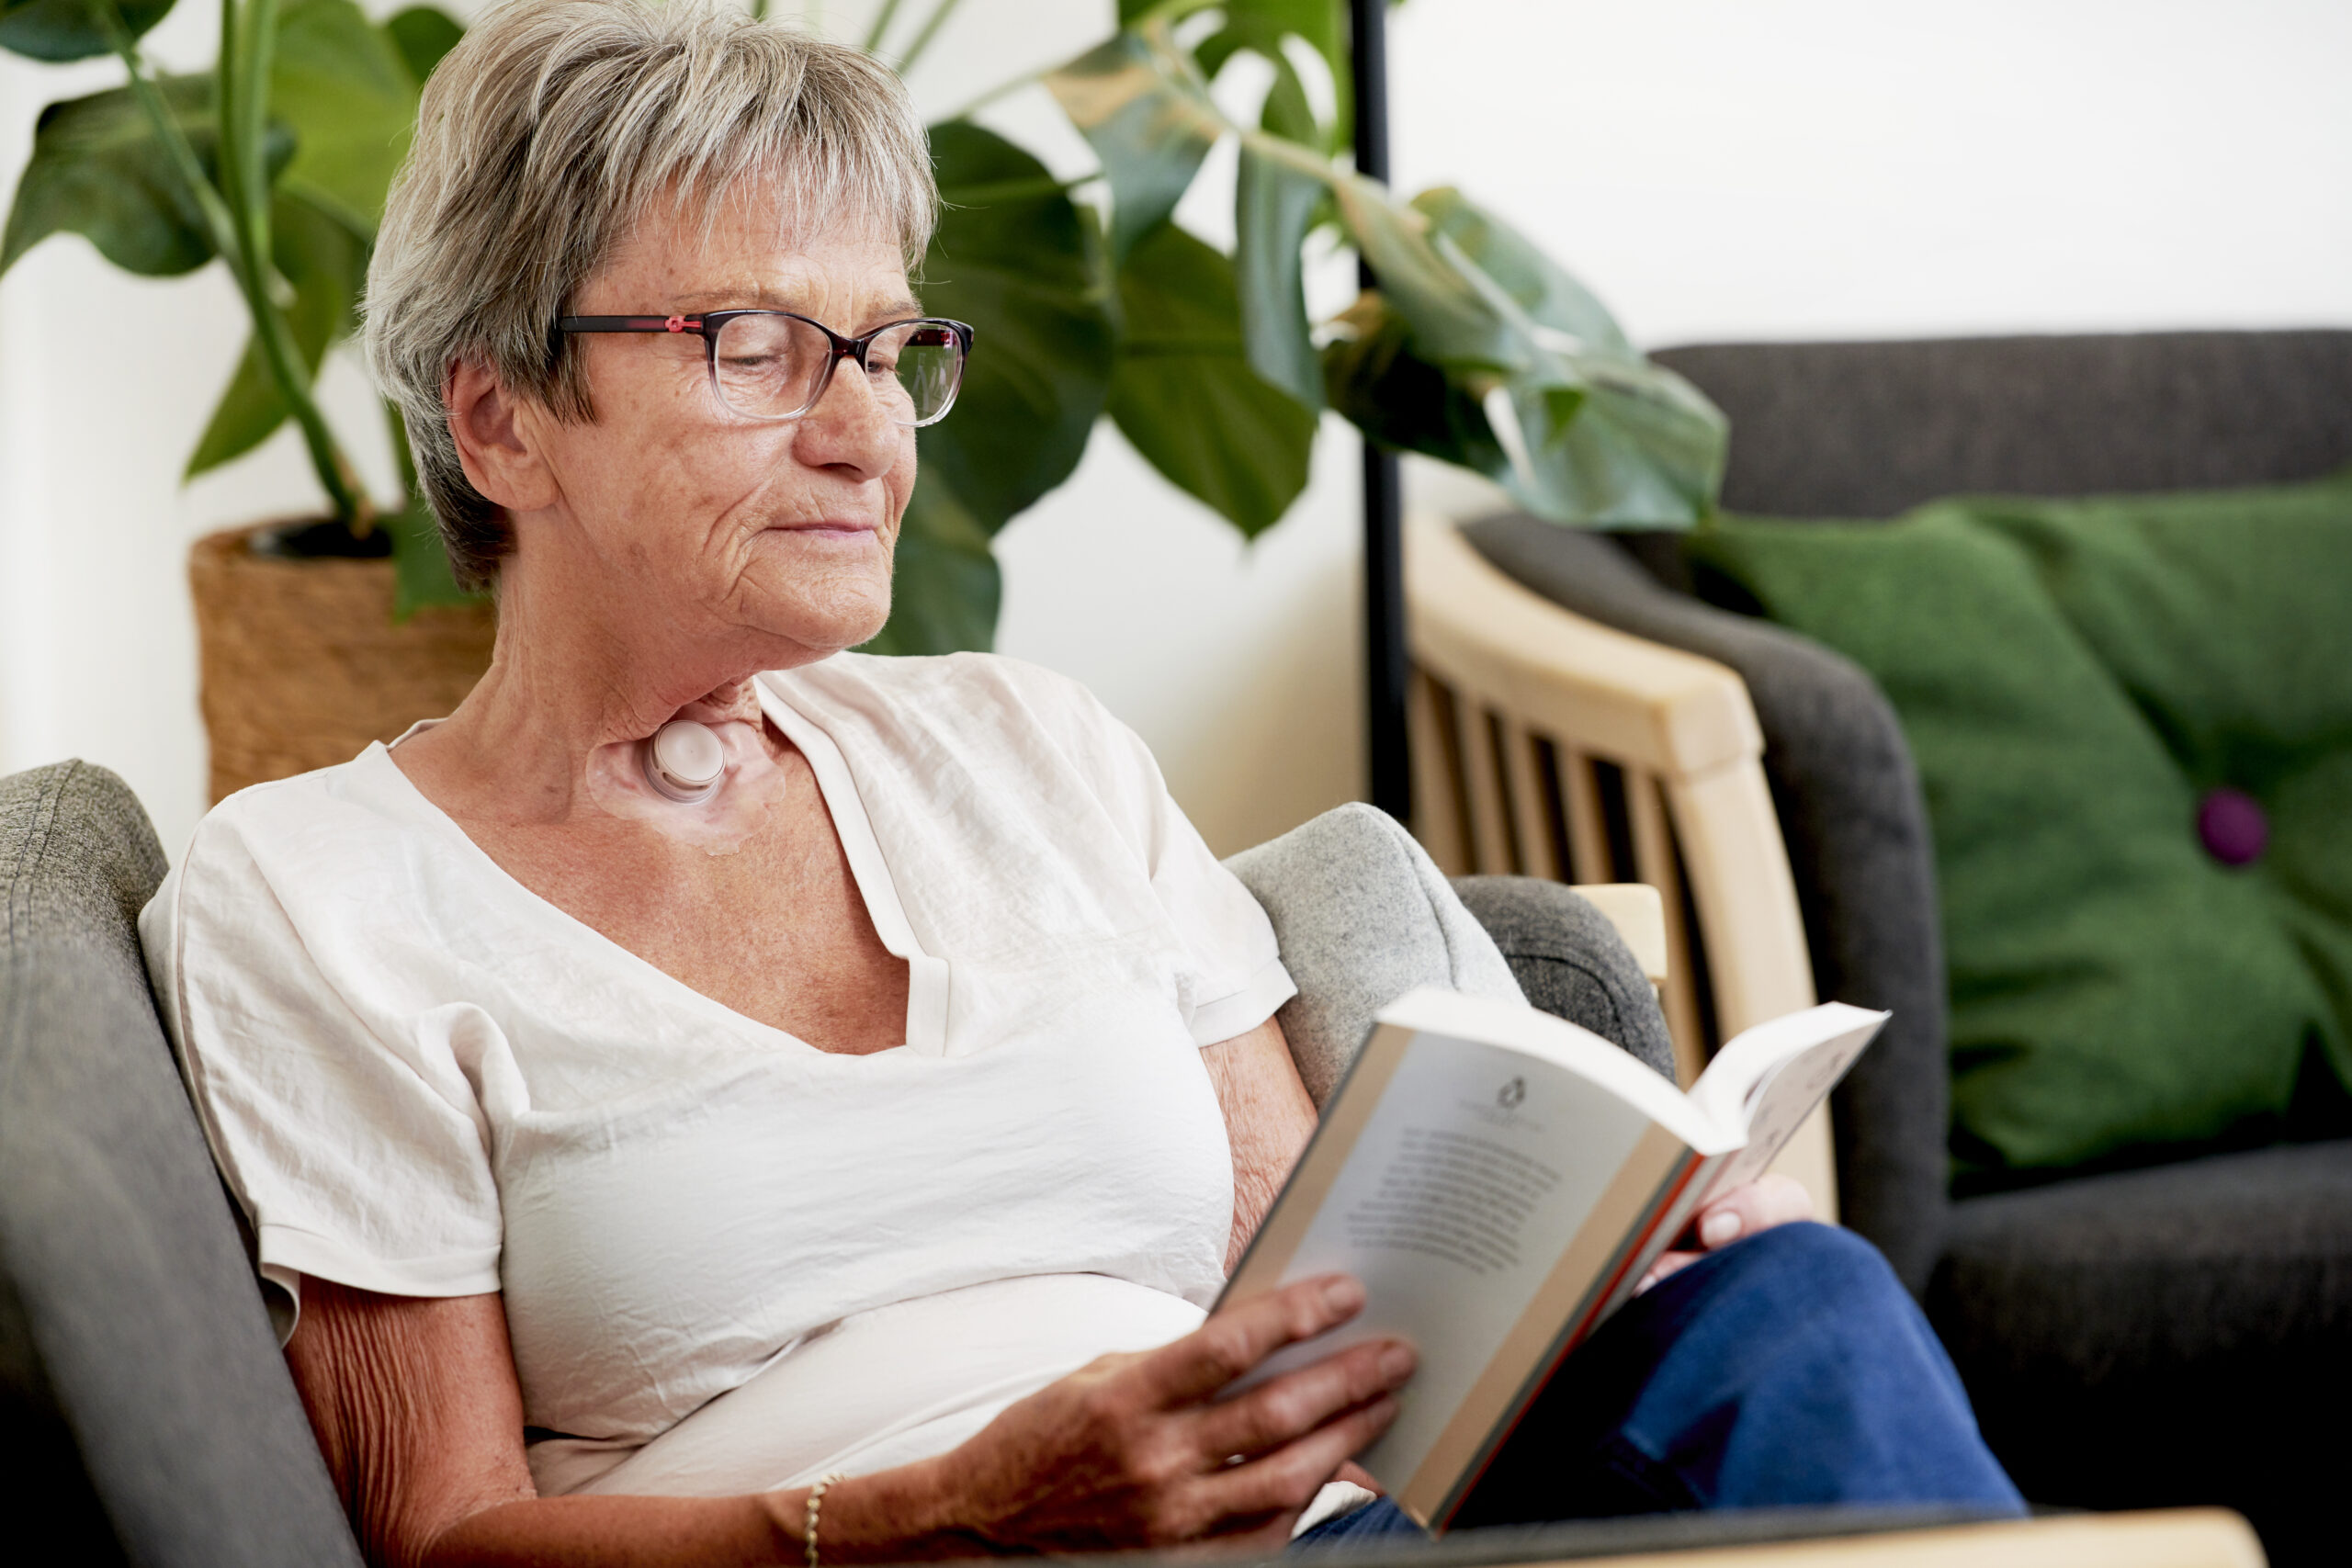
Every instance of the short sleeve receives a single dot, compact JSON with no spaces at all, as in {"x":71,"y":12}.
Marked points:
{"x":1233,"y":979}
{"x":352,"y":1137}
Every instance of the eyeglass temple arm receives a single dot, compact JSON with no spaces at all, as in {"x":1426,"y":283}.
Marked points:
{"x":628,"y":324}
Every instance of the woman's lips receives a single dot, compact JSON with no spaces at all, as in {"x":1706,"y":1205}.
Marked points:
{"x":827,"y":529}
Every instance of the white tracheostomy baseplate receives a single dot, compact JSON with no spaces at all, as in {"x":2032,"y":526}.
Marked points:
{"x":752,"y":786}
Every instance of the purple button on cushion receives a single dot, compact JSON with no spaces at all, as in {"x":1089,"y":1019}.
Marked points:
{"x":2233,"y":827}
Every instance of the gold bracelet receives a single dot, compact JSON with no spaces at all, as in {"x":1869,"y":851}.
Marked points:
{"x":817,"y":1500}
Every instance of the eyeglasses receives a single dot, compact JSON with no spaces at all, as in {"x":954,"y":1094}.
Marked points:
{"x":773,"y":365}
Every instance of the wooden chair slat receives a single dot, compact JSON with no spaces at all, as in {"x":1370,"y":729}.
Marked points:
{"x":1436,"y":784}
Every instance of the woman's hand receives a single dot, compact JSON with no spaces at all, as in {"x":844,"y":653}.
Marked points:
{"x":1771,"y":1200}
{"x":1136,"y":1450}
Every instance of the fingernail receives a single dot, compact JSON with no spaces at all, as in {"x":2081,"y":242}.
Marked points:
{"x":1342,"y":1294}
{"x":1717,"y":1229}
{"x":1396,"y":1363}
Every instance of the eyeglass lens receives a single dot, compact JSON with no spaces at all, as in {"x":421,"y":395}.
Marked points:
{"x":773,"y":367}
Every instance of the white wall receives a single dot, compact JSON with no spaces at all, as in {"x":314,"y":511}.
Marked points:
{"x":1715,"y":168}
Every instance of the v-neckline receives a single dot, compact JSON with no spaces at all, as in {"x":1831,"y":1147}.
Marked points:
{"x":869,"y":866}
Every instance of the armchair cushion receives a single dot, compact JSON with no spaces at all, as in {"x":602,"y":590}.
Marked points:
{"x":2124,"y":1336}
{"x":2084,"y":684}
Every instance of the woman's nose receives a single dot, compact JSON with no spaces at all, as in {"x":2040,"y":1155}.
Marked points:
{"x":850,"y":426}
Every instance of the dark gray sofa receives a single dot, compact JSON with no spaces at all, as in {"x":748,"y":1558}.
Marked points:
{"x":2180,"y":1333}
{"x":145,"y":1414}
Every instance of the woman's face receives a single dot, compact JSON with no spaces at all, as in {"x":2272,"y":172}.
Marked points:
{"x":775,"y":534}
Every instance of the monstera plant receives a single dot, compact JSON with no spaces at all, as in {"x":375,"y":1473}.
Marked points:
{"x":1090,"y":300}
{"x":1474,"y":347}
{"x":276,"y":162}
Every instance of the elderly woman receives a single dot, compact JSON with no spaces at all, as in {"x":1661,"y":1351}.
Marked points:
{"x":875,"y":1078}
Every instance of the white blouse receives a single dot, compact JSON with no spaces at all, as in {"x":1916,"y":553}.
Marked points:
{"x":420,"y":1078}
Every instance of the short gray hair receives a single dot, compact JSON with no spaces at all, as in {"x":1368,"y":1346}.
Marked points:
{"x":543,"y":137}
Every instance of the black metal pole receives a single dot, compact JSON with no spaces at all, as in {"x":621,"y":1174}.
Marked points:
{"x":1383,"y":546}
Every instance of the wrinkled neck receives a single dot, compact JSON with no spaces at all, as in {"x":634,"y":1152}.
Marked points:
{"x":582,"y":676}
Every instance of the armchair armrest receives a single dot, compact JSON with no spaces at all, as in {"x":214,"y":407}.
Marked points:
{"x":1571,"y":960}
{"x":1362,"y":916}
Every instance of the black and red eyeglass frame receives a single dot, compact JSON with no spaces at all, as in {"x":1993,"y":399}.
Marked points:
{"x":709,"y":324}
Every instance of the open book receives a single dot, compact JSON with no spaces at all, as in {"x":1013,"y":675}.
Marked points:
{"x":1500,"y":1180}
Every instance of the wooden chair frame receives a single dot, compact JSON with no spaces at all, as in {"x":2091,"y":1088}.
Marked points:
{"x":1548,"y":745}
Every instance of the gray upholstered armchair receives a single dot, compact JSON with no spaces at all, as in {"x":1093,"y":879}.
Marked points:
{"x":145,"y":1414}
{"x":2170,"y":1335}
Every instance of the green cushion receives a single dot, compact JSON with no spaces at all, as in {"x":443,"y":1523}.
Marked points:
{"x":2073,"y":678}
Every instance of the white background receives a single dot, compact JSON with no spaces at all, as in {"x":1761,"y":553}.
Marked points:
{"x":1716,"y":169}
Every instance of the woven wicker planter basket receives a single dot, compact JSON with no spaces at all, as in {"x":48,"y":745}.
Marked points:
{"x":302,"y":665}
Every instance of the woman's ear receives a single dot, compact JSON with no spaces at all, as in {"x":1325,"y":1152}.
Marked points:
{"x":497,"y":440}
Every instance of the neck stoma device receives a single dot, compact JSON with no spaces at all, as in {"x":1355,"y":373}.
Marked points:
{"x":686,"y":761}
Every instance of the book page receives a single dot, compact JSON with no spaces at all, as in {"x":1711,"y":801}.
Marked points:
{"x":1773,"y":1075}
{"x":1465,"y":1187}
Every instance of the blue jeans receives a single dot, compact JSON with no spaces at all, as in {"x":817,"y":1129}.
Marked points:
{"x":1789,"y":1369}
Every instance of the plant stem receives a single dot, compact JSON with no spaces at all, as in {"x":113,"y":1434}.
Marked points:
{"x":185,"y":162}
{"x":256,"y":51}
{"x":250,"y":151}
{"x":243,"y":244}
{"x":1282,"y":150}
{"x":882,"y":20}
{"x":228,"y":171}
{"x":930,"y":30}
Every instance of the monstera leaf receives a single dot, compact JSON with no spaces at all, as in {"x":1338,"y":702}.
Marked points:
{"x":1124,"y":98}
{"x":331,"y":98}
{"x":944,"y":595}
{"x":1537,"y":283}
{"x":422,"y":35}
{"x":323,"y":262}
{"x":1579,"y":427}
{"x":1477,"y":347}
{"x":345,"y":89}
{"x":1399,"y":399}
{"x":1184,"y":394}
{"x":1217,"y":382}
{"x":1260,"y":26}
{"x":98,"y":169}
{"x":1018,"y":259}
{"x":1275,"y":206}
{"x":69,"y":30}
